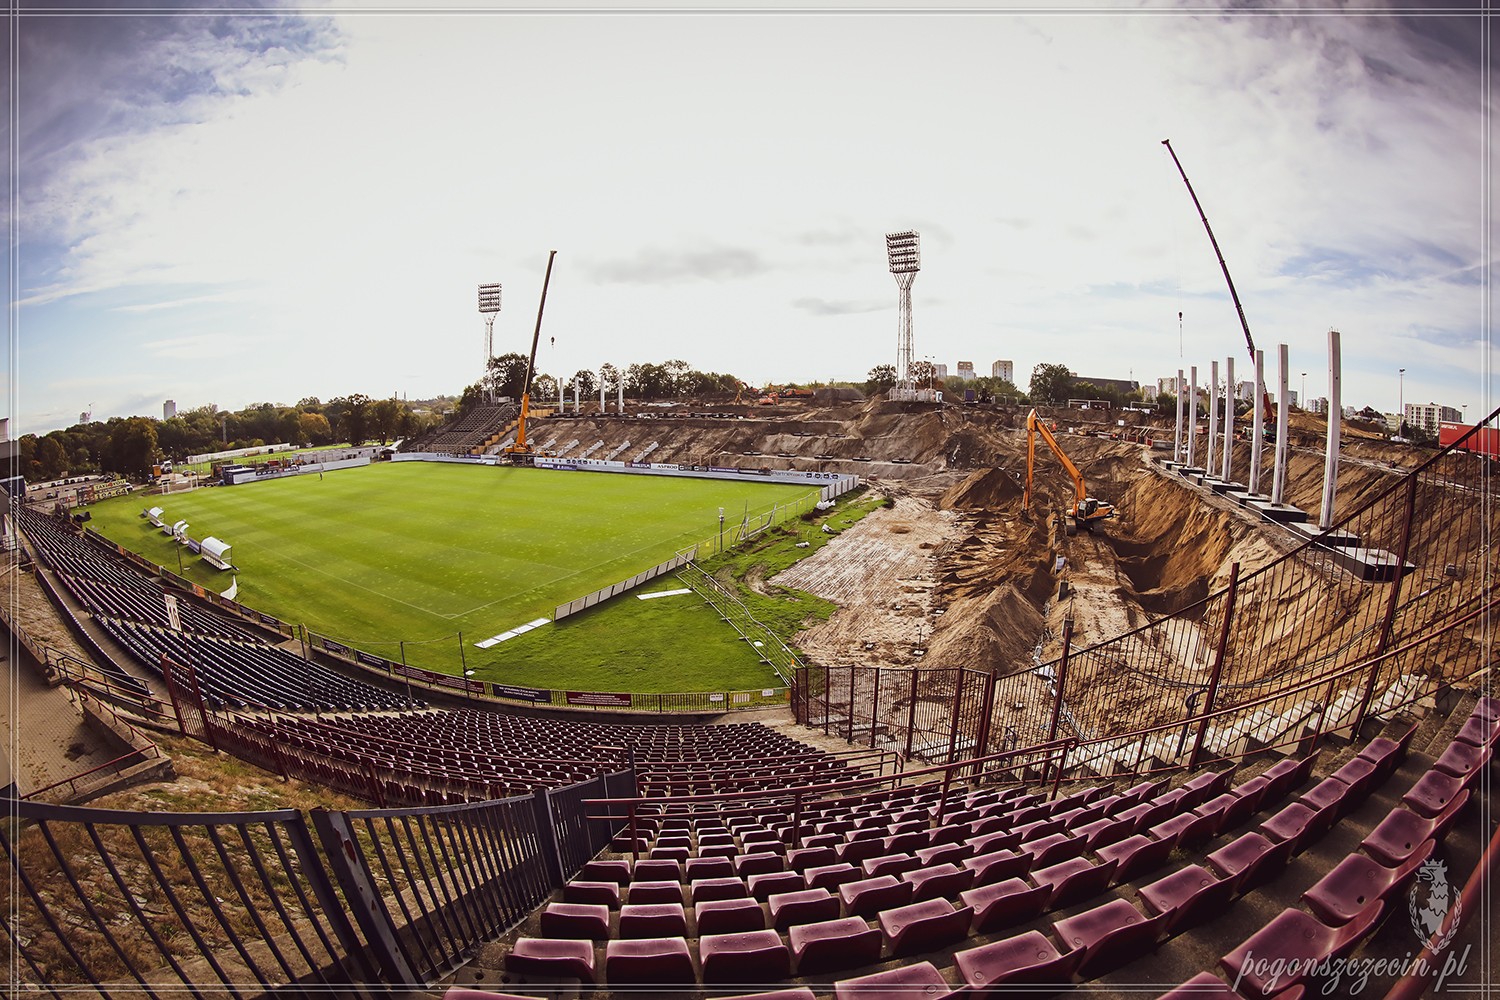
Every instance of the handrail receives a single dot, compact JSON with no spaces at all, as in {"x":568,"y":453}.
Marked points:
{"x":155,"y":754}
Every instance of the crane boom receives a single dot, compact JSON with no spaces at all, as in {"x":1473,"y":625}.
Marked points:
{"x":1086,"y":509}
{"x":1265,"y":399}
{"x":521,"y":447}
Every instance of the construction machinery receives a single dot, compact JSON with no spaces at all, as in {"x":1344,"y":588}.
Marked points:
{"x":1087,"y":511}
{"x":1267,"y":410}
{"x":521,"y":452}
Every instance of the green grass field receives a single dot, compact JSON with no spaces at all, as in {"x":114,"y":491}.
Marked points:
{"x":400,"y":559}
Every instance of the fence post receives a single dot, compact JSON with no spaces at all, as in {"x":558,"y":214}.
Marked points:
{"x":546,"y":836}
{"x":342,"y":855}
{"x":1218,"y":668}
{"x":850,"y":739}
{"x":1062,"y":678}
{"x":911,"y":717}
{"x":1389,"y":623}
{"x":874,"y":707}
{"x":987,"y":712}
{"x":827,"y":683}
{"x":958,"y":700}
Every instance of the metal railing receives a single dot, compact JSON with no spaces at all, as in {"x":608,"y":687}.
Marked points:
{"x":258,"y":903}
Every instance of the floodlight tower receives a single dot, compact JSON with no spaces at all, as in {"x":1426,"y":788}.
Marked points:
{"x":489,"y":305}
{"x":904,"y":253}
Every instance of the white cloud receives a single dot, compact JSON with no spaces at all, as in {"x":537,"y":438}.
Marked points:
{"x":718,"y":187}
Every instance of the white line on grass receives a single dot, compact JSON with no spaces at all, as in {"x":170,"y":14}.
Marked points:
{"x":663,"y":593}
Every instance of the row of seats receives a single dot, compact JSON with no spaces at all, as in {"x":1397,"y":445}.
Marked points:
{"x":148,"y":607}
{"x":754,"y":899}
{"x":250,"y":675}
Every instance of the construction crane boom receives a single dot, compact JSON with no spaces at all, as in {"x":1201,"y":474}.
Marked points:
{"x":1265,"y":397}
{"x":1086,"y":509}
{"x":521,"y":447}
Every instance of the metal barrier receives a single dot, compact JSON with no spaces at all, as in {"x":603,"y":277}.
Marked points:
{"x":254,"y":903}
{"x":730,"y":608}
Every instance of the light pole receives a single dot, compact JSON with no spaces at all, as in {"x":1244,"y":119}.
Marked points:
{"x":1302,"y":399}
{"x":1401,"y":401}
{"x":903,"y":253}
{"x":489,"y":305}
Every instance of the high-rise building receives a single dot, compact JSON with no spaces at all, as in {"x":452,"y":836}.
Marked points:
{"x":1427,"y":416}
{"x":1005,"y":370}
{"x":1318,"y":404}
{"x":966,"y":371}
{"x":1167,"y":386}
{"x":940,"y":371}
{"x":169,"y":409}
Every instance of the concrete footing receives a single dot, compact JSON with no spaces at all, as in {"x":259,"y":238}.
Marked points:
{"x":1371,"y":565}
{"x":1281,"y":513}
{"x":1333,"y":539}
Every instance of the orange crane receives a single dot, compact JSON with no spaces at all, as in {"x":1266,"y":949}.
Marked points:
{"x":522,"y":450}
{"x":1086,"y":510}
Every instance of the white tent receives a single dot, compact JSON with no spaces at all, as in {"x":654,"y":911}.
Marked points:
{"x":216,"y":553}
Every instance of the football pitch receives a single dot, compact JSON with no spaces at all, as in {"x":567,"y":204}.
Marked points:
{"x":414,"y":560}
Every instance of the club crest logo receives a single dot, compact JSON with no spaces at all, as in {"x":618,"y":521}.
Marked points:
{"x":1430,"y":901}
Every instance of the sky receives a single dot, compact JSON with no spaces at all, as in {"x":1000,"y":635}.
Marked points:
{"x":271,"y":204}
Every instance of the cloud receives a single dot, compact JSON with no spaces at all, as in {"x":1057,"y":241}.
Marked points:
{"x":826,"y":307}
{"x":196,"y":346}
{"x":656,"y":267}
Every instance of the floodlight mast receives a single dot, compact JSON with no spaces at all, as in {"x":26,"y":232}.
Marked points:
{"x":489,"y":305}
{"x":904,"y":253}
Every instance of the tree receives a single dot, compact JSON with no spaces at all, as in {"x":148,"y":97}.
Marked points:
{"x":922,"y":373}
{"x":881,"y":378}
{"x":313,"y":428}
{"x":584,"y":380}
{"x":51,"y":457}
{"x":385,"y":418}
{"x":609,"y":375}
{"x":505,"y":374}
{"x":355,"y":419}
{"x":544,"y":387}
{"x":1051,"y":383}
{"x":648,"y":381}
{"x":132,"y":446}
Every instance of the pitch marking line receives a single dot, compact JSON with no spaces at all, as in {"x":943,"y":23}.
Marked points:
{"x":518,"y":630}
{"x":662,"y":593}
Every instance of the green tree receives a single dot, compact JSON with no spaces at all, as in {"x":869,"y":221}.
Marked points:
{"x":584,"y":380}
{"x":313,"y":428}
{"x":610,"y":376}
{"x":132,"y":446}
{"x":1051,"y":383}
{"x":51,"y":457}
{"x":355,"y":417}
{"x":385,"y":418}
{"x":881,"y":378}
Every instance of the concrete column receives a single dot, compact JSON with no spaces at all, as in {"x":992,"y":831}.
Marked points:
{"x":562,"y":392}
{"x":1335,"y":416}
{"x":1177,"y":438}
{"x":620,"y":398}
{"x":1192,"y":415}
{"x":1257,"y":426}
{"x":1213,"y":416}
{"x":1228,"y":415}
{"x":1278,"y":477}
{"x":601,"y":392}
{"x":575,"y":397}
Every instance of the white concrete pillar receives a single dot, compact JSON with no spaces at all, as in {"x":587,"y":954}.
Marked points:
{"x":1192,"y":415}
{"x":1228,"y":415}
{"x":601,"y":392}
{"x":575,"y":397}
{"x":1177,"y":438}
{"x":620,"y":398}
{"x":1257,"y":425}
{"x":1213,"y":416}
{"x":1278,"y":477}
{"x":1335,"y":415}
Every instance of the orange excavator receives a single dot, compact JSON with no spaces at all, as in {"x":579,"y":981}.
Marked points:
{"x":1087,"y":510}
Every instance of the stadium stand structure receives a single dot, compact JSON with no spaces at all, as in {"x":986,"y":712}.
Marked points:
{"x":1023,"y":871}
{"x":467,"y":435}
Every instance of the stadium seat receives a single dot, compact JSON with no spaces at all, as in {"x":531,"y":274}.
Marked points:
{"x":1188,"y":896}
{"x":805,"y":907}
{"x":744,"y":957}
{"x":1109,"y":935}
{"x":653,"y":920}
{"x":648,"y":961}
{"x":1402,"y":831}
{"x":925,"y":926}
{"x":921,"y":979}
{"x":868,"y":897}
{"x":1293,"y":936}
{"x":834,"y":945}
{"x":589,"y":921}
{"x":1004,"y":904}
{"x":552,"y":959}
{"x":1137,"y":855}
{"x":1344,"y":893}
{"x":1027,"y":959}
{"x":727,"y":916}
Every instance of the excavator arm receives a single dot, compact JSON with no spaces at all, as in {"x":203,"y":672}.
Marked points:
{"x":1086,"y":509}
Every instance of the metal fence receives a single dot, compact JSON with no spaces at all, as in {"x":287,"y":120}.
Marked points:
{"x":1412,"y":568}
{"x":260,"y":903}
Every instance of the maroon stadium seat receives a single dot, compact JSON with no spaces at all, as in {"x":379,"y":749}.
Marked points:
{"x":1137,"y":855}
{"x":1348,"y":888}
{"x":1432,"y":793}
{"x":946,"y":879}
{"x":1027,"y":959}
{"x":552,"y":959}
{"x":728,"y":916}
{"x":763,"y":886}
{"x":1074,"y":880}
{"x":1402,"y":832}
{"x":1005,"y":903}
{"x":925,"y":926}
{"x":919,"y":980}
{"x":589,"y":921}
{"x":651,"y":961}
{"x":806,"y":907}
{"x":868,"y":897}
{"x":744,"y":957}
{"x":1109,"y":935}
{"x":1293,"y":936}
{"x":1188,"y":896}
{"x":834,"y":945}
{"x":653,"y":920}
